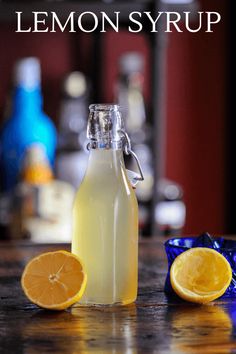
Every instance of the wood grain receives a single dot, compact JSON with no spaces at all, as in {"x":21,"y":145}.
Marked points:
{"x":154,"y":324}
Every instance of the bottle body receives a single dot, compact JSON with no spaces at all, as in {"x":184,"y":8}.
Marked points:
{"x":105,"y":230}
{"x":24,"y":128}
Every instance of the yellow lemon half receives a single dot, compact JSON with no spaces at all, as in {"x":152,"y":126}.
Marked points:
{"x":54,"y":280}
{"x":200,"y":275}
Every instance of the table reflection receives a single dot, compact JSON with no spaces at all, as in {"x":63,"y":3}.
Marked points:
{"x":201,"y":329}
{"x":83,"y":329}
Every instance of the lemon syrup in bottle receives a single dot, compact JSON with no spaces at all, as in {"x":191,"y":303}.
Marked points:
{"x":105,"y":214}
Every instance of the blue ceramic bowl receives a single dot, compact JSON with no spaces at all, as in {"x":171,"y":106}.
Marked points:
{"x":227,"y":248}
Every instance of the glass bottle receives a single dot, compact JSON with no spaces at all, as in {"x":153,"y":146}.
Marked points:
{"x":26,"y":125}
{"x":129,"y":92}
{"x":72,"y":156}
{"x":105,"y":214}
{"x":130,"y":96}
{"x":41,"y":205}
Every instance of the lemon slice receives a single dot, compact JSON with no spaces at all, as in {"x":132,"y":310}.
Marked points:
{"x":54,"y":280}
{"x":200,"y":275}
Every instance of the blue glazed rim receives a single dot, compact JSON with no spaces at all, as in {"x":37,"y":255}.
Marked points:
{"x":219,"y":240}
{"x":170,"y":242}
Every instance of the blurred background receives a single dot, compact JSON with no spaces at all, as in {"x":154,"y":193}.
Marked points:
{"x":175,"y":92}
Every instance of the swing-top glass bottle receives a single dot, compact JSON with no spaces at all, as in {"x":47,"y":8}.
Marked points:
{"x":105,"y":214}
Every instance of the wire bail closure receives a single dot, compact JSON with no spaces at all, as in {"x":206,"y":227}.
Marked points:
{"x":128,"y":151}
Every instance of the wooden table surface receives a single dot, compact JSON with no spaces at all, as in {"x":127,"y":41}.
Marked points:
{"x":154,"y":324}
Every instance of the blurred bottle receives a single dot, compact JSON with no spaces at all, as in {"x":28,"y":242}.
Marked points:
{"x":130,"y":94}
{"x":42,"y":206}
{"x":131,"y":100}
{"x":36,"y":168}
{"x":27,"y":123}
{"x":71,"y":159}
{"x":170,"y":212}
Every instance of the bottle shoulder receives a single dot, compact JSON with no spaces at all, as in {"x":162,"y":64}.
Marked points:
{"x":47,"y":119}
{"x":106,"y":173}
{"x":113,"y":188}
{"x":22,"y":125}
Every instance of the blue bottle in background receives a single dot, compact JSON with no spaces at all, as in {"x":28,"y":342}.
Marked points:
{"x":28,"y":124}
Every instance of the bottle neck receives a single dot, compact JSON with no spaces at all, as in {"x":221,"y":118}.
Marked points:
{"x":105,"y":144}
{"x":103,"y":161}
{"x":26,"y":103}
{"x":104,"y":126}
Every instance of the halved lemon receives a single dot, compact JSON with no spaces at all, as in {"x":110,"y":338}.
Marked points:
{"x":54,"y":280}
{"x":200,"y":275}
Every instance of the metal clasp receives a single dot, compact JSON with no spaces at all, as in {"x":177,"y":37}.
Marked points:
{"x":128,"y":151}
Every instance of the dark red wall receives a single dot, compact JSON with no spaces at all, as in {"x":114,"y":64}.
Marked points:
{"x":196,"y":100}
{"x":196,"y":114}
{"x":196,"y":122}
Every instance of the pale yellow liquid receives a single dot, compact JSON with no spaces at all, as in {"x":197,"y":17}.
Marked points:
{"x":105,"y":230}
